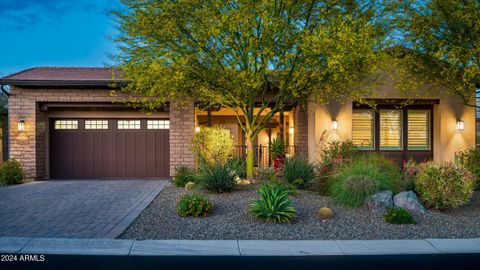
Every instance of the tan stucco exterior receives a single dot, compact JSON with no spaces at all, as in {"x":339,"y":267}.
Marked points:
{"x":447,"y":140}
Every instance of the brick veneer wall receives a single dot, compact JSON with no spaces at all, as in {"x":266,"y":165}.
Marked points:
{"x":301,"y":132}
{"x":29,"y":147}
{"x":182,"y":127}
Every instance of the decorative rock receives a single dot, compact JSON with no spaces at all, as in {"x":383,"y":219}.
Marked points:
{"x":408,"y":200}
{"x":325,"y":213}
{"x":190,"y":186}
{"x":380,"y":202}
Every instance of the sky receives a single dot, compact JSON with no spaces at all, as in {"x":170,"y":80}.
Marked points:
{"x":55,"y":33}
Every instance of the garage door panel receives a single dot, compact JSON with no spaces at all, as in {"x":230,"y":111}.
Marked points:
{"x":121,"y":154}
{"x":108,"y":153}
{"x":151,"y":160}
{"x":140,"y":154}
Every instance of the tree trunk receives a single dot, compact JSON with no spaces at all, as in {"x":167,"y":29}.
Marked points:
{"x":250,"y":156}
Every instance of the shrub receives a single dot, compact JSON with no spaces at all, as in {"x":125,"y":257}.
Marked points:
{"x":444,"y":186}
{"x":274,"y":204}
{"x":212,"y":145}
{"x":298,"y":172}
{"x":193,"y":205}
{"x":363,"y":177}
{"x":277,"y":148}
{"x":190,"y":186}
{"x":183,"y":175}
{"x":470,"y":160}
{"x":218,"y":178}
{"x":11,"y":173}
{"x":239,"y":166}
{"x":399,"y":216}
{"x":265,"y":173}
{"x":333,"y":155}
{"x":410,"y":171}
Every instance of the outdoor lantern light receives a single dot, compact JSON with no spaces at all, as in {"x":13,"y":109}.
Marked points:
{"x":21,"y":125}
{"x":460,"y":125}
{"x":334,"y":124}
{"x":197,"y":129}
{"x":291,"y":130}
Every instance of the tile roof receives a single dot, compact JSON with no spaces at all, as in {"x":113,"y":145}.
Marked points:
{"x":66,"y":75}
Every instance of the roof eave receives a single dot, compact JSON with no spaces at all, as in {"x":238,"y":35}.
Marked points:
{"x":63,"y":82}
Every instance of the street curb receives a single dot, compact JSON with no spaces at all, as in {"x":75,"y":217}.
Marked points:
{"x":18,"y":245}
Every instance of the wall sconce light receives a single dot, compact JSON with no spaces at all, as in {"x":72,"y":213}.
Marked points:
{"x":291,"y":130}
{"x":460,"y":125}
{"x":21,"y":125}
{"x":197,"y":129}
{"x":334,"y":124}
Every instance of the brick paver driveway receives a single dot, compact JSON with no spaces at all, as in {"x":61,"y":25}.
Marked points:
{"x":74,"y":209}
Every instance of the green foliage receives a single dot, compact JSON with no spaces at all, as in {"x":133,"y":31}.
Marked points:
{"x":218,"y":178}
{"x":333,"y":155}
{"x":258,"y":57}
{"x":442,"y":38}
{"x":183,"y":175}
{"x":444,"y":186}
{"x":11,"y":173}
{"x":195,"y":205}
{"x":190,"y":186}
{"x":410,"y":171}
{"x":238,"y":166}
{"x":399,"y":216}
{"x":298,"y":172}
{"x":277,"y":148}
{"x":470,"y":160}
{"x":265,"y":173}
{"x":364,"y":176}
{"x":212,"y":145}
{"x":274,"y":204}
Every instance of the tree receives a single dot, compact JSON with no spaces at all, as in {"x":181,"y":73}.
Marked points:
{"x":256,"y":57}
{"x":441,"y":40}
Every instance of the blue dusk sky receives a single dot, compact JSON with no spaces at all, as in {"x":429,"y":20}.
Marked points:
{"x":55,"y":33}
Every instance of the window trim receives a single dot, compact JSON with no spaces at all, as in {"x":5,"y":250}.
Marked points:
{"x":128,"y":126}
{"x":159,"y":126}
{"x":429,"y":130}
{"x":404,"y":109}
{"x":96,"y":125}
{"x":401,"y":135}
{"x":372,"y":148}
{"x":74,"y":126}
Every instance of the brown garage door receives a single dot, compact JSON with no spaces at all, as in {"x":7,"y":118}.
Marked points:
{"x":109,"y":148}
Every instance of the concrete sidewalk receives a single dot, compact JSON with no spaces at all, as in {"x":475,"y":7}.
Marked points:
{"x":61,"y":246}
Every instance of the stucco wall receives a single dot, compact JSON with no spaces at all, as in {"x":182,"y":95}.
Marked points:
{"x":447,"y":139}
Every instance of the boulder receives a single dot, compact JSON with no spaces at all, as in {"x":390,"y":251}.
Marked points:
{"x":408,"y":200}
{"x":380,"y":202}
{"x":325,"y":213}
{"x":190,"y":186}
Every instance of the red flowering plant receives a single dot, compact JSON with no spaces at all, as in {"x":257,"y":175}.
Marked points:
{"x":410,"y":171}
{"x":333,"y":155}
{"x":194,"y":204}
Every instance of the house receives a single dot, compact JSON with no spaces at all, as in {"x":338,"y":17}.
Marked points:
{"x":65,"y":123}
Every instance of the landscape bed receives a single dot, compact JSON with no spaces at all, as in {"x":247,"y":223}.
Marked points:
{"x":230,"y":219}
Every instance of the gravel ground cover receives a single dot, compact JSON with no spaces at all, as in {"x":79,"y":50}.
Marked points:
{"x":230,"y":219}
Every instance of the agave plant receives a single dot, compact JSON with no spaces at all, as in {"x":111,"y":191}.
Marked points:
{"x":274,"y":204}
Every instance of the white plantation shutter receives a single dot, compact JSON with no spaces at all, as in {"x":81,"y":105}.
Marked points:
{"x":418,"y":130}
{"x":390,"y":129}
{"x":363,"y":129}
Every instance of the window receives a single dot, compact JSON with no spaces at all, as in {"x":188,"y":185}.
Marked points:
{"x":158,"y":124}
{"x":128,"y":124}
{"x":363,"y":129}
{"x":66,"y":124}
{"x":390,"y":130}
{"x":96,"y":124}
{"x":418,"y":130}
